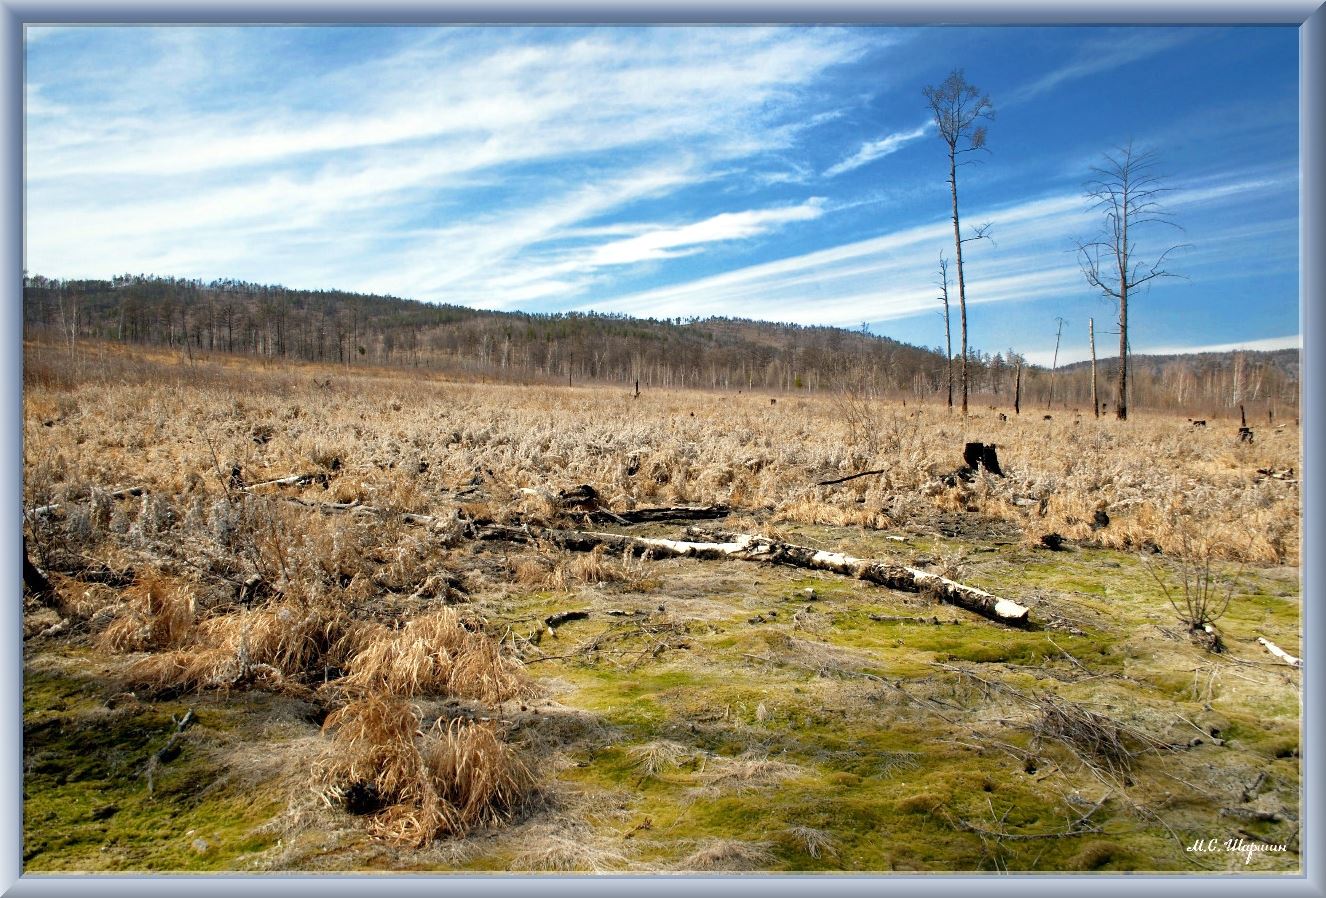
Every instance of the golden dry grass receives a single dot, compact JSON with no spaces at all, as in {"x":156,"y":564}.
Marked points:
{"x":434,"y":653}
{"x":456,"y":776}
{"x":375,"y":427}
{"x":345,"y":612}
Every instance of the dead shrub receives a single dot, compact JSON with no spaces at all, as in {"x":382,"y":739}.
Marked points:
{"x":651,"y":758}
{"x":1093,"y":737}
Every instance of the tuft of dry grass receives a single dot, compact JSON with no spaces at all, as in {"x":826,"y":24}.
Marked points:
{"x":475,"y":771}
{"x":548,"y":850}
{"x":815,"y":842}
{"x":749,"y":770}
{"x":651,"y":758}
{"x":729,"y":855}
{"x":434,"y":653}
{"x":158,"y":614}
{"x":457,"y":776}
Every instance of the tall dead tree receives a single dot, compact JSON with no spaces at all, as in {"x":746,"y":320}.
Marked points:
{"x":1128,"y":192}
{"x":1054,"y":366}
{"x":948,"y":338}
{"x":1095,"y":399}
{"x":957,"y":108}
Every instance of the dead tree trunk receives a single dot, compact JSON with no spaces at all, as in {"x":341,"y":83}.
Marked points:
{"x":1095,"y":399}
{"x":982,"y":455}
{"x":1017,"y":390}
{"x":745,"y":547}
{"x":36,"y":581}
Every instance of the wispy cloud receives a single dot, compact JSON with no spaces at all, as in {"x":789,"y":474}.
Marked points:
{"x":204,"y":175}
{"x":654,"y":171}
{"x":1102,"y":55}
{"x":877,"y":149}
{"x":892,"y":276}
{"x":662,"y":243}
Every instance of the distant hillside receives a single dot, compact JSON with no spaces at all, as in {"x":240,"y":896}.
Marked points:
{"x":1283,"y":361}
{"x":351,"y":328}
{"x":713,"y":353}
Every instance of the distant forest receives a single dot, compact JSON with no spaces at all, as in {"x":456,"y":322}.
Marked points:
{"x":352,"y":329}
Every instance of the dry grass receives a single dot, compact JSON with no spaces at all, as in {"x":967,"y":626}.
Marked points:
{"x":548,"y":849}
{"x":815,"y":842}
{"x":434,"y":653}
{"x":347,"y":612}
{"x":456,"y":776}
{"x":652,"y":758}
{"x":728,"y":855}
{"x":749,"y":770}
{"x":158,"y":613}
{"x":734,"y":449}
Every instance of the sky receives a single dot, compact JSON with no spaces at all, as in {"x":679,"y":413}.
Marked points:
{"x":777,"y":173}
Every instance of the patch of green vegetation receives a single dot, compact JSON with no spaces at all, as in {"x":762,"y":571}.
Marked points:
{"x":86,"y":804}
{"x":973,"y":641}
{"x":1270,"y":737}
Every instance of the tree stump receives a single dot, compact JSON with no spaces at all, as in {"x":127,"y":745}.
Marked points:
{"x":982,"y":455}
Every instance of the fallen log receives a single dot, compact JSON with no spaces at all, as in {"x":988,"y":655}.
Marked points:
{"x":1279,"y":652}
{"x":294,"y":480}
{"x":556,"y":620}
{"x":661,"y":515}
{"x":42,"y":511}
{"x":746,"y":547}
{"x":168,"y":752}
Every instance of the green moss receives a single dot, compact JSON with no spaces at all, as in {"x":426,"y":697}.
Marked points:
{"x":86,"y":803}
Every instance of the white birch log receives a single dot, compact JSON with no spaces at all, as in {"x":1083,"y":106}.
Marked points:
{"x":746,"y":547}
{"x":1279,"y":652}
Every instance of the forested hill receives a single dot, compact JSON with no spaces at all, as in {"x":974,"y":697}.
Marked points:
{"x":352,"y":328}
{"x":714,"y":353}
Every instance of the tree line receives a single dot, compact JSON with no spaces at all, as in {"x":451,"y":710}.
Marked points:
{"x":350,"y":329}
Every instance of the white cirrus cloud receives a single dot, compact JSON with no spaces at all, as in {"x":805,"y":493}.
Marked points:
{"x":877,"y":149}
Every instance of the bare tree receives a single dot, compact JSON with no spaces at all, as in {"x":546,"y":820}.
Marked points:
{"x":948,"y":338}
{"x":1054,"y":367}
{"x":957,"y":107}
{"x":1095,"y":399}
{"x":1126,"y":189}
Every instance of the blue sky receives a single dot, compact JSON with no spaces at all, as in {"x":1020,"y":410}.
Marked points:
{"x":786,"y":173}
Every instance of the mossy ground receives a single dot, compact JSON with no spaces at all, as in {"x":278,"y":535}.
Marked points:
{"x":746,"y":716}
{"x":87,"y":805}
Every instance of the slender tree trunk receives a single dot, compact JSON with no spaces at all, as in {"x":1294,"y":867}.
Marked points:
{"x":1123,"y":313}
{"x":957,"y":250}
{"x":1017,"y":390}
{"x":948,"y":360}
{"x":1054,"y":366}
{"x":1123,"y":354}
{"x":1095,"y":399}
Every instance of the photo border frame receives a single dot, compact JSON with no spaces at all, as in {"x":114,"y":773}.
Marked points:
{"x":1308,"y":15}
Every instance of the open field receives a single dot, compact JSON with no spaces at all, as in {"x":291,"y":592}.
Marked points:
{"x":405,"y":693}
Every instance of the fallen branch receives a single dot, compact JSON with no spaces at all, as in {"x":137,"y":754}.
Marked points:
{"x":170,"y":750}
{"x":42,"y":511}
{"x":294,"y":480}
{"x":1279,"y":652}
{"x":556,"y":620}
{"x":848,"y":477}
{"x":745,"y":547}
